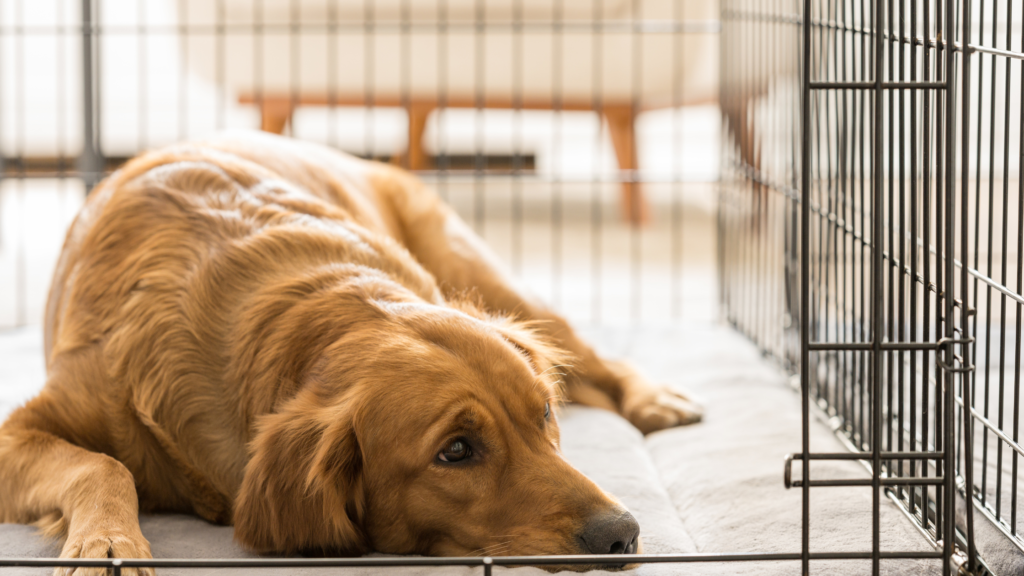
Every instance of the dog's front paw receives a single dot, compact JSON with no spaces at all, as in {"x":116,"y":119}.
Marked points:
{"x":658,"y":407}
{"x":105,"y":543}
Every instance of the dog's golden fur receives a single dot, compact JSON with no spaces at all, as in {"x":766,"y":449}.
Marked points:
{"x":275,"y":335}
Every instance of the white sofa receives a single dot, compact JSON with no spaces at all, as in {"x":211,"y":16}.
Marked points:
{"x":617,"y":57}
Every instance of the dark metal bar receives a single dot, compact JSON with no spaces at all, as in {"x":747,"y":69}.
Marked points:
{"x":877,"y":295}
{"x":940,"y":319}
{"x":913,"y":258}
{"x":873,"y":482}
{"x":926,"y":225}
{"x":830,"y":253}
{"x":805,"y":246}
{"x":1006,"y":230}
{"x":90,"y":162}
{"x":885,"y":455}
{"x":859,"y":375}
{"x":949,"y":472}
{"x":1002,"y":299}
{"x":902,"y":314}
{"x":867,"y":346}
{"x":878,"y":85}
{"x":966,"y":378}
{"x":892,"y":270}
{"x":889,"y":345}
{"x":607,"y":560}
{"x":846,"y":408}
{"x":988,"y":268}
{"x":1020,"y":289}
{"x":977,"y":251}
{"x":864,"y":321}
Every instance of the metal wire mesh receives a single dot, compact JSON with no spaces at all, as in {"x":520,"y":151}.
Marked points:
{"x":897,"y":228}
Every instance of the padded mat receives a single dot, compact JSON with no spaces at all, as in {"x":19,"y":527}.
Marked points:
{"x":712,"y":487}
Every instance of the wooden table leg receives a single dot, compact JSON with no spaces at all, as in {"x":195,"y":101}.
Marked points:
{"x":275,"y":113}
{"x":414,"y":157}
{"x":418,"y":114}
{"x":621,"y":125}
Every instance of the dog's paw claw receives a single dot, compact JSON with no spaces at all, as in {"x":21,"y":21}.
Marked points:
{"x":663,"y":408}
{"x":105,"y":544}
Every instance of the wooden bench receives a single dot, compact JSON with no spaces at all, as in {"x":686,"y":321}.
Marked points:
{"x":276,"y":112}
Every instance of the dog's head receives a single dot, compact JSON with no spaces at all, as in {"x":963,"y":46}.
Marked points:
{"x":430,"y":431}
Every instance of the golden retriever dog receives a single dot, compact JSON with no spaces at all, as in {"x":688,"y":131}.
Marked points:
{"x":316,"y":350}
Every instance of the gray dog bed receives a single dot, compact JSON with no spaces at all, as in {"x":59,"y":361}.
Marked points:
{"x":712,"y":487}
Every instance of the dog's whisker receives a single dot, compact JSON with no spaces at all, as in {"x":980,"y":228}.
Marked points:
{"x":493,"y":549}
{"x":554,"y":366}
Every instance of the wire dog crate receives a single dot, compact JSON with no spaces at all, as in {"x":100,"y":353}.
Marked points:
{"x":880,"y":246}
{"x":868,"y":236}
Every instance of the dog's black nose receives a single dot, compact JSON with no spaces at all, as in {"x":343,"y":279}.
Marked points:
{"x":613,"y":533}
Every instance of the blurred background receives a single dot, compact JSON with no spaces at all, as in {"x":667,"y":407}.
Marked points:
{"x":580,"y":138}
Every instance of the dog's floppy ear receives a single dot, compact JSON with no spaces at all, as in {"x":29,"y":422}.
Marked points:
{"x":301,"y":490}
{"x":546,"y":358}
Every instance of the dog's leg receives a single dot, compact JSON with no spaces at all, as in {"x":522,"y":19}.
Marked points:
{"x":85,"y":496}
{"x":462,"y":262}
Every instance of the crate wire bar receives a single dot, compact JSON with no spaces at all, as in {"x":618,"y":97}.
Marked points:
{"x":116,"y":564}
{"x":846,"y":247}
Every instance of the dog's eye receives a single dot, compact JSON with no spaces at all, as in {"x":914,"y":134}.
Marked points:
{"x":455,"y":451}
{"x":547,"y":411}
